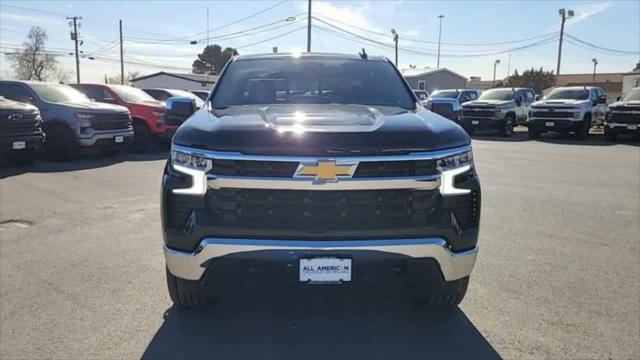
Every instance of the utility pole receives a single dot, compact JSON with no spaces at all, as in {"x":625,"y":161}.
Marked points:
{"x":395,"y":38}
{"x":439,"y":38}
{"x":74,"y":37}
{"x":509,"y":67}
{"x":309,"y":28}
{"x":564,"y":14}
{"x":495,"y":64}
{"x":121,"y":57}
{"x":207,"y":26}
{"x":595,"y":63}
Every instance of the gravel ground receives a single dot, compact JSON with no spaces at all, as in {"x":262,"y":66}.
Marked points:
{"x":558,"y":275}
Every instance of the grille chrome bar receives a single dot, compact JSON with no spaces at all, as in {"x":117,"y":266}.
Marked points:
{"x":416,"y":183}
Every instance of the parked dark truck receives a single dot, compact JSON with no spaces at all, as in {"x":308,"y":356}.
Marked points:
{"x":71,"y":120}
{"x":20,"y":131}
{"x":623,"y":117}
{"x":318,"y":169}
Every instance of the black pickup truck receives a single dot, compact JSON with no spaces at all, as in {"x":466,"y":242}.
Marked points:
{"x":318,"y":169}
{"x":623,"y":117}
{"x":20,"y":131}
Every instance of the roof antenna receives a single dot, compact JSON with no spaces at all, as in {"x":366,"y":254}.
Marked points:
{"x":363,"y":54}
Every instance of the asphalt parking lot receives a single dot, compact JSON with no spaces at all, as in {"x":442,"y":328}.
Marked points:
{"x":558,"y":276}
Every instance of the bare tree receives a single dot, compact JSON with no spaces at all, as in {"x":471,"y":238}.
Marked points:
{"x":33,"y":62}
{"x":116,"y":78}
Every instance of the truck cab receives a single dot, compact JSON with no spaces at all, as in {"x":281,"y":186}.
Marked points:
{"x":71,"y":120}
{"x":567,"y":109}
{"x":148,"y":114}
{"x":497,"y":109}
{"x":448,"y":102}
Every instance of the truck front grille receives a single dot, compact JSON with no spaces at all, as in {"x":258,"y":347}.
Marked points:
{"x":365,"y":169}
{"x":553,"y":114}
{"x":443,"y":109}
{"x":27,"y":125}
{"x":323,"y":212}
{"x":625,"y":118}
{"x":478,"y":113}
{"x":113,"y":121}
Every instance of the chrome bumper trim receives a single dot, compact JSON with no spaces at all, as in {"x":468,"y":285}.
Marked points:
{"x":416,"y":183}
{"x":622,"y":125}
{"x":454,"y":266}
{"x":104,"y":134}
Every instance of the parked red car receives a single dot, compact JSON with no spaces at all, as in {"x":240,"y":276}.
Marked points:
{"x":148,"y":115}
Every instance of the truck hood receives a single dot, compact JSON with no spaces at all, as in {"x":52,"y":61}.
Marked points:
{"x":443,"y":100}
{"x":95,"y":107}
{"x":10,"y":105}
{"x":319,"y":130}
{"x":489,"y":103}
{"x":632,"y":104}
{"x":560,"y":102}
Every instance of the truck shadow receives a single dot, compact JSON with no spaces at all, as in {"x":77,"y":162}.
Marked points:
{"x":323,"y":324}
{"x":86,"y":160}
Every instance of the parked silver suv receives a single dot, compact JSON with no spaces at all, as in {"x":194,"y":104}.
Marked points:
{"x":71,"y":119}
{"x":568,"y":109}
{"x":448,"y":102}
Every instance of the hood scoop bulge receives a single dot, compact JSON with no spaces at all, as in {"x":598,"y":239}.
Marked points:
{"x":339,"y":118}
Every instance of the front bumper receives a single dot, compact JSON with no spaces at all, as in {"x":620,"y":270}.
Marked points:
{"x":32,"y":142}
{"x":622,"y":128}
{"x":106,"y":138}
{"x":192,"y":265}
{"x":555,"y":124}
{"x":482,"y":122}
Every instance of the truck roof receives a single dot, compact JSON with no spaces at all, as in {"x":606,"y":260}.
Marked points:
{"x":313,"y":55}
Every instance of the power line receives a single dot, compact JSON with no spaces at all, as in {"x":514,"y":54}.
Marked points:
{"x":435,"y":42}
{"x":622,"y":52}
{"x":272,"y":38}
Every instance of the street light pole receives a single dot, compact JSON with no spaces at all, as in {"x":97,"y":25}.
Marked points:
{"x":395,"y":38}
{"x":564,"y":14}
{"x":595,"y":63}
{"x":495,"y":64}
{"x":439,"y":39}
{"x":309,"y":27}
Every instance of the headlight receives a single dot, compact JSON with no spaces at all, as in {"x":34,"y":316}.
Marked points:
{"x":452,"y":166}
{"x":84,"y":119}
{"x":195,"y":166}
{"x":192,"y":161}
{"x":160,"y":115}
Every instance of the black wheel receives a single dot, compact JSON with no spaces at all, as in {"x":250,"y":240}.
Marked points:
{"x":142,"y":139}
{"x":452,"y":295}
{"x":509,"y":123}
{"x":583,"y":132}
{"x":21,"y":157}
{"x":186,"y":293}
{"x":111,"y":152}
{"x":60,"y":144}
{"x":534,"y":133}
{"x":610,"y":135}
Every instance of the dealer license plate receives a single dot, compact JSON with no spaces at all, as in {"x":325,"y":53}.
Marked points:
{"x":325,"y":270}
{"x":19,"y":145}
{"x":550,"y":124}
{"x":118,"y":139}
{"x":632,"y":127}
{"x":475,"y":122}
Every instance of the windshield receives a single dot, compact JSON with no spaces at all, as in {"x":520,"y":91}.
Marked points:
{"x":199,"y":102}
{"x":311,"y":81}
{"x":498,"y":94}
{"x":633,"y":95}
{"x":453,"y":94}
{"x":569,"y":94}
{"x":132,"y":95}
{"x":59,"y":93}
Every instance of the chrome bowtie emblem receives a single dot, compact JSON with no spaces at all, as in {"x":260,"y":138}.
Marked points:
{"x":326,"y":170}
{"x":15,"y":117}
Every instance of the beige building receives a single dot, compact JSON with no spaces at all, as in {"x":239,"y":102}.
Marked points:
{"x":434,"y":79}
{"x":631,"y":79}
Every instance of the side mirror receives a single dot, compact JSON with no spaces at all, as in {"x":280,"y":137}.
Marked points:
{"x":538,"y":97}
{"x":619,"y":98}
{"x":179,"y":108}
{"x":602,"y":99}
{"x":518,"y":101}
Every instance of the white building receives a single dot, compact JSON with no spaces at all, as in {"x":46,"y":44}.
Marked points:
{"x":180,"y":81}
{"x":631,"y":79}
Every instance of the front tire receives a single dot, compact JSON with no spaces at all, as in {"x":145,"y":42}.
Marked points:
{"x":583,"y":132}
{"x":185,"y":293}
{"x":142,"y":139}
{"x":509,"y":123}
{"x":60,"y":144}
{"x":21,"y":157}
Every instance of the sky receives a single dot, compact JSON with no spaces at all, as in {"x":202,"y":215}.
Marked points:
{"x":521,"y":34}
